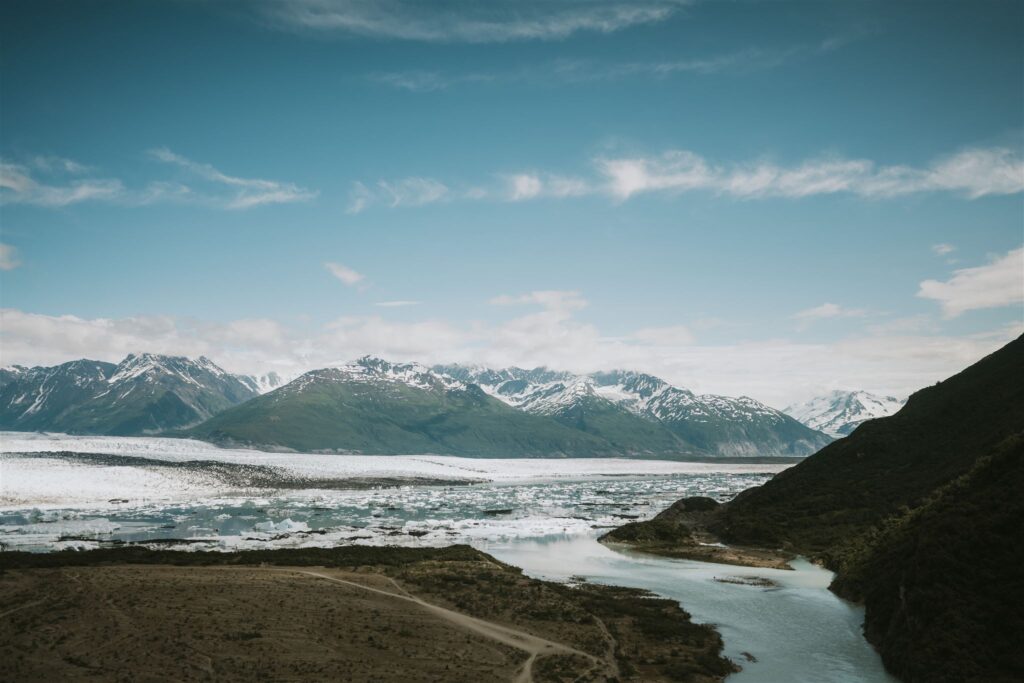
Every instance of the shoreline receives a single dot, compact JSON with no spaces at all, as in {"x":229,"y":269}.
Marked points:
{"x":468,"y":616}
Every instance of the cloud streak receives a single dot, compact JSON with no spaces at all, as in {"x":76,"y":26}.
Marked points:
{"x":245,"y":193}
{"x":465,"y":21}
{"x":971,"y":173}
{"x":19,"y":184}
{"x":345,"y":274}
{"x":582,"y":71}
{"x":56,"y":182}
{"x":998,"y":283}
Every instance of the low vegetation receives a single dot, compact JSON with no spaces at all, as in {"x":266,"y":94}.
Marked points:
{"x":131,"y":613}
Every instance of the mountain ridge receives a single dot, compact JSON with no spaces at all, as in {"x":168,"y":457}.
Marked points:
{"x":143,"y":394}
{"x":839,"y":412}
{"x":613,"y":413}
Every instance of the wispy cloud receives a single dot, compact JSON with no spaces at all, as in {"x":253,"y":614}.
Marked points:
{"x":825,"y":311}
{"x":8,"y":257}
{"x":245,"y":192}
{"x":465,"y":21}
{"x":942,"y":249}
{"x":51,"y":181}
{"x":347,"y":275}
{"x":21,"y":184}
{"x":582,"y":71}
{"x":971,"y":173}
{"x":829,"y":310}
{"x":996,"y":284}
{"x":412,"y":191}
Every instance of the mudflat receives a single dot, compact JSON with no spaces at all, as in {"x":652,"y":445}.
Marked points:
{"x":431,"y":616}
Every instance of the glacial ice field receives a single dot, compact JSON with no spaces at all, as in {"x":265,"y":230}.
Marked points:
{"x":59,"y":491}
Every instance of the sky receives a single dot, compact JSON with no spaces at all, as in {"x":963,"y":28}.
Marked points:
{"x":774,"y":199}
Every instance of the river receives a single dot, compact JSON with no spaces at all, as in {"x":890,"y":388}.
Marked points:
{"x":798,"y":632}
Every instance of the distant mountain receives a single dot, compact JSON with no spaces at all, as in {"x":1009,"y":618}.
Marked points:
{"x":142,"y":394}
{"x":840,"y":412}
{"x":373,"y":406}
{"x":632,"y":409}
{"x":261,"y":384}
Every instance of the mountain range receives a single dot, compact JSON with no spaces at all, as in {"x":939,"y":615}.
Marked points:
{"x":626,"y":408}
{"x":374,"y":406}
{"x":143,"y":394}
{"x":840,"y":412}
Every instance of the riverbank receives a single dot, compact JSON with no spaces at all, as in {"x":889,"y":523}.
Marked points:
{"x":681,"y":531}
{"x":356,"y":614}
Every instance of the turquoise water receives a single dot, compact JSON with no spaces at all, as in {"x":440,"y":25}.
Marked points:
{"x":799,"y":632}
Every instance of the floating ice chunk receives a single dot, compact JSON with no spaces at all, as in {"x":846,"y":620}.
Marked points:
{"x":285,"y":525}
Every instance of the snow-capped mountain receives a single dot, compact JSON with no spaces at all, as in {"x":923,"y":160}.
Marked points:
{"x":376,"y":371}
{"x":376,"y":406}
{"x":144,"y":393}
{"x":840,"y":412}
{"x":261,"y":384}
{"x":676,"y":418}
{"x":373,"y":406}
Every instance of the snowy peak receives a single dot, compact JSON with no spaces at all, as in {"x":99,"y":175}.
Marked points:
{"x":152,"y":367}
{"x":371,"y":370}
{"x":262,"y":384}
{"x":144,"y":393}
{"x":840,"y":412}
{"x":547,"y":392}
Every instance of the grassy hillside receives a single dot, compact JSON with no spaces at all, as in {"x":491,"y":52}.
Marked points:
{"x":887,"y":464}
{"x":942,"y":584}
{"x":393,"y":418}
{"x":624,"y":430}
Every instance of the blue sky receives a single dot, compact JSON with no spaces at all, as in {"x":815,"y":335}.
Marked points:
{"x":768,"y":198}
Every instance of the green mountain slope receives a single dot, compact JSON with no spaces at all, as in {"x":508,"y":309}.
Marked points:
{"x":942,"y":584}
{"x":375,"y":407}
{"x":886,"y":464}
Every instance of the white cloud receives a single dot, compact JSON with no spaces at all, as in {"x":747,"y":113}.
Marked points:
{"x":396,"y":304}
{"x":245,"y":192}
{"x":45,"y":181}
{"x":8,"y":257}
{"x":998,"y":283}
{"x":973,"y":174}
{"x":829,"y":310}
{"x":523,"y":186}
{"x":778,"y":371}
{"x":18,"y":185}
{"x":344,"y":273}
{"x":942,"y":249}
{"x":413,"y":191}
{"x":495,"y":21}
